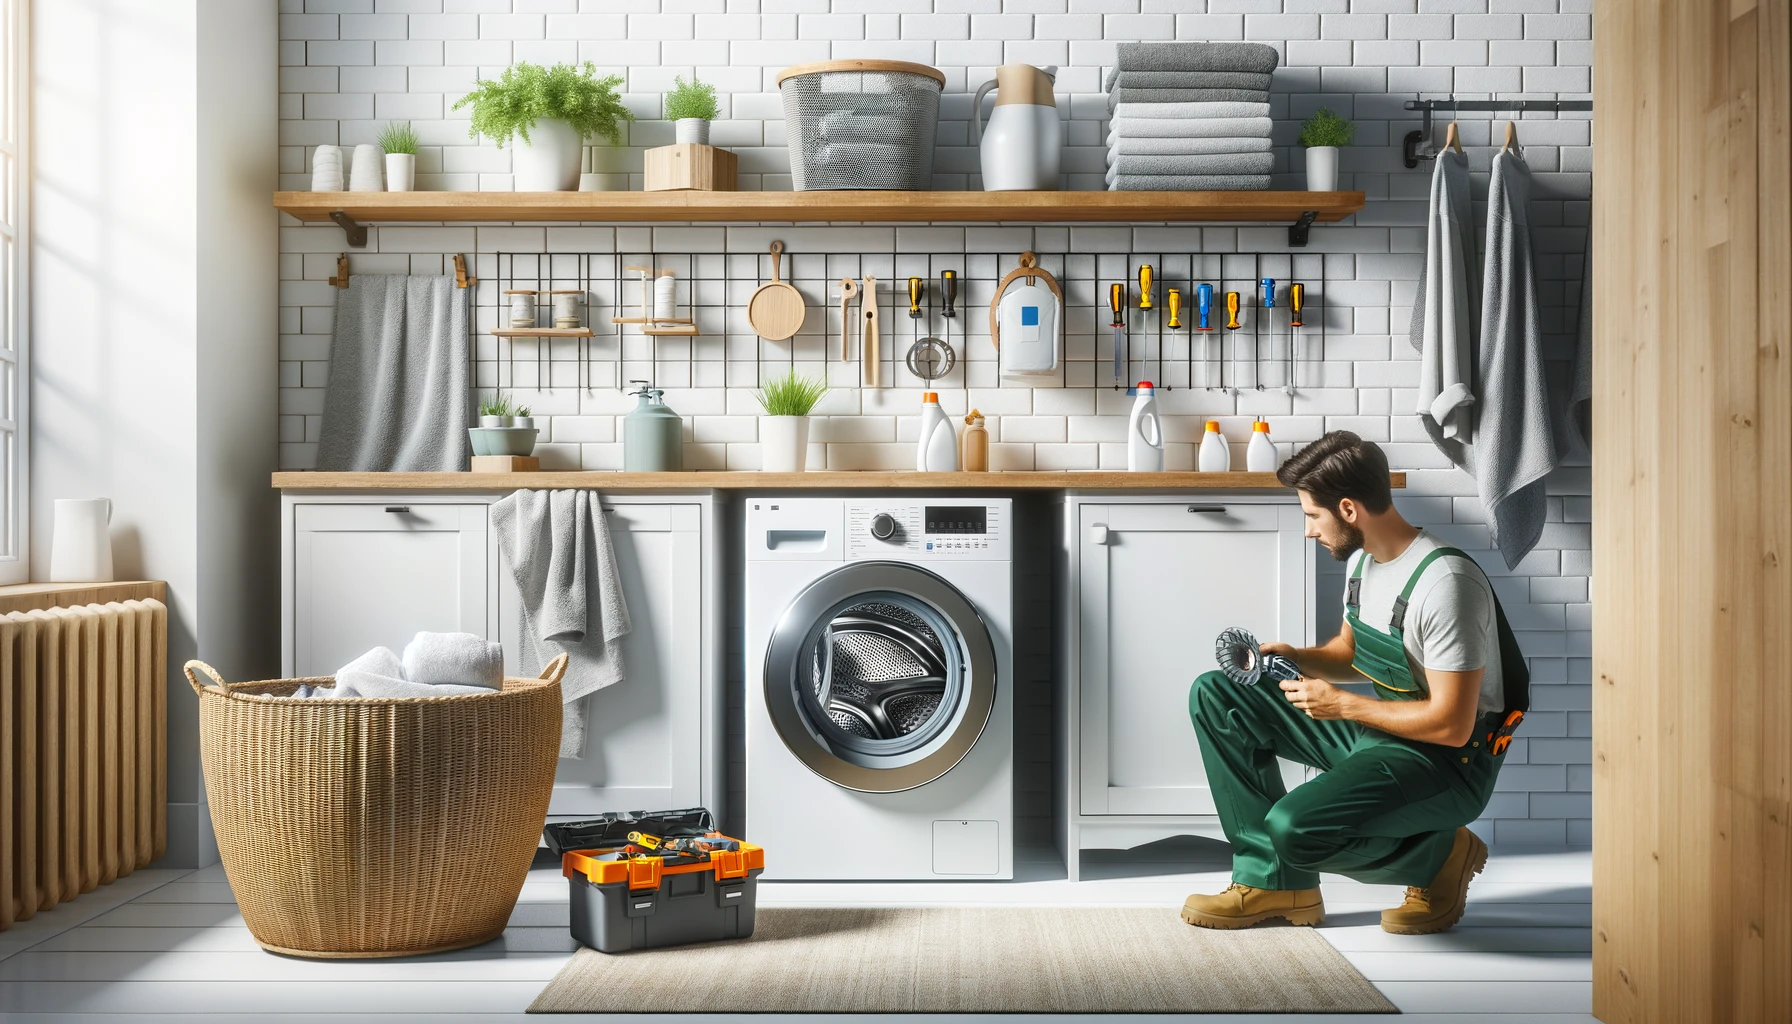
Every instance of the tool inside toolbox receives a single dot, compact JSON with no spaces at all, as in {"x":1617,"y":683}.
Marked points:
{"x":611,"y":831}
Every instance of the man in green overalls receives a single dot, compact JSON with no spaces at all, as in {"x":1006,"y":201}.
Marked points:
{"x":1403,"y":771}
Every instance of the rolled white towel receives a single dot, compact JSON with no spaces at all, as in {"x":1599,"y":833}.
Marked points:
{"x":460,"y":659}
{"x":380,"y":674}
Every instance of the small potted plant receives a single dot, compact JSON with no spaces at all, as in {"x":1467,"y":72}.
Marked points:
{"x":400,"y":143}
{"x":552,"y":110}
{"x":1323,"y":134}
{"x":495,"y":411}
{"x":784,"y":429}
{"x":690,"y":106}
{"x":523,"y":417}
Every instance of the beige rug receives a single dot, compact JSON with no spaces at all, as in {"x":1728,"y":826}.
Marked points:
{"x":973,"y":960}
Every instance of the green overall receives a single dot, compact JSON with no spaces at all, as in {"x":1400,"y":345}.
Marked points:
{"x":1385,"y":809}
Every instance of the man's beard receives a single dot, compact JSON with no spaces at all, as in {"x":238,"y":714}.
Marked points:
{"x":1353,"y":542}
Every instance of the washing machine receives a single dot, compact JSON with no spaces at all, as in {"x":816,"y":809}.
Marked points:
{"x":879,"y":687}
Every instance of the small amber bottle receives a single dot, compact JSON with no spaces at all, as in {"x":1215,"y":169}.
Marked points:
{"x":973,"y":453}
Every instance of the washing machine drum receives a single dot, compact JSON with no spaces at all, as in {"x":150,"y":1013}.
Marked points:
{"x":880,"y":676}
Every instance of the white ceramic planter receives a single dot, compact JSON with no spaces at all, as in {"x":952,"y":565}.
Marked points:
{"x":495,"y":421}
{"x":401,"y":172}
{"x":690,"y":129}
{"x":326,"y":169}
{"x":364,"y":172}
{"x":549,"y":161}
{"x":1322,"y":168}
{"x":783,"y":444}
{"x":527,"y":422}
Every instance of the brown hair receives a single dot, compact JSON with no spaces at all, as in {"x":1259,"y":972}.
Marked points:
{"x":1337,"y":466}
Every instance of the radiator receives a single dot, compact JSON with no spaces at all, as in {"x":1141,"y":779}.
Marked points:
{"x":84,"y":748}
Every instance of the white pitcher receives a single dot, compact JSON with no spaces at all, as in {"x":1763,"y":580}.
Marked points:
{"x":1024,"y":143}
{"x":81,"y":544}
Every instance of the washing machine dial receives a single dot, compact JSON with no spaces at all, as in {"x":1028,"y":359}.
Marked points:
{"x":883,"y":526}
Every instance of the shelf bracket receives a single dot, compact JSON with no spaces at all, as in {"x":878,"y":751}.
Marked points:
{"x":1300,"y":229}
{"x":356,"y":232}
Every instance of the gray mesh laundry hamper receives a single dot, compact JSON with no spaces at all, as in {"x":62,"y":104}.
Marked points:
{"x":855,"y":124}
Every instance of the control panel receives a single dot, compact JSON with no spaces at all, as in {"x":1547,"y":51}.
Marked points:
{"x":952,"y":530}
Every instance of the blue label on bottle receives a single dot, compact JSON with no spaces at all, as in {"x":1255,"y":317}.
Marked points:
{"x":1029,"y":316}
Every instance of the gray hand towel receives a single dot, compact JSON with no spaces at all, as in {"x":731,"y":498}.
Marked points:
{"x":1231,"y":108}
{"x":1126,"y":95}
{"x":1445,"y":312}
{"x":1189,"y":183}
{"x":1187,"y":128}
{"x":1118,"y":79}
{"x":1219,"y":163}
{"x":557,"y":544}
{"x":1577,"y":416}
{"x":1255,"y":58}
{"x":398,"y":397}
{"x":1187,"y":147}
{"x":1515,"y":444}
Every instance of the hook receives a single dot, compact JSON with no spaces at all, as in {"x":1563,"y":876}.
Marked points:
{"x":1451,"y":139}
{"x":1512,"y":139}
{"x":341,"y":278}
{"x":461,"y":278}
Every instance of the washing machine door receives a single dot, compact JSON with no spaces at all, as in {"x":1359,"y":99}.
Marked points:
{"x":880,"y":676}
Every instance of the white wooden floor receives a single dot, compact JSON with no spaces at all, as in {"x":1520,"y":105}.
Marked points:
{"x":171,"y":943}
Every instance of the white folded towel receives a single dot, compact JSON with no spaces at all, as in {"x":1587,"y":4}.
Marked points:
{"x":1197,"y":109}
{"x":1187,"y":128}
{"x":380,"y":675}
{"x":1186,"y":147}
{"x":459,"y":659}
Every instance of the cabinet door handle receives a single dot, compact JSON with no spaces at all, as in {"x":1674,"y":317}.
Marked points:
{"x":1220,"y":509}
{"x":1098,"y":535}
{"x":400,"y":509}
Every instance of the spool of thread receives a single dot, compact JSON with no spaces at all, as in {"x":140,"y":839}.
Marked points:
{"x":364,"y":174}
{"x":665,"y":293}
{"x":566,"y":309}
{"x":522,"y":309}
{"x":326,"y":169}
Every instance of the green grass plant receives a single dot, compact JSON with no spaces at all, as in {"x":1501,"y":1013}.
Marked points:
{"x":791,"y":395}
{"x":1327,"y":128}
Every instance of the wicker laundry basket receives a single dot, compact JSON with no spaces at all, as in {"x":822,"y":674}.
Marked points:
{"x":861,"y":124}
{"x":374,"y":828}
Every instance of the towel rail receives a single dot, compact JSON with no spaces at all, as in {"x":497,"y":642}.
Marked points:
{"x":1417,"y":145}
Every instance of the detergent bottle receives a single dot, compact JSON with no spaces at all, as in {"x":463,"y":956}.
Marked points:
{"x":1144,"y":433}
{"x":1215,"y":456}
{"x":1260,"y":456}
{"x":936,"y":451}
{"x":974,"y":446}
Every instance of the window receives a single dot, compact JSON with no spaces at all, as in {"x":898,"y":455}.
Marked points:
{"x":14,"y":241}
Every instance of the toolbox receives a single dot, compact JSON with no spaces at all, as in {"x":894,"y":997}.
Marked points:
{"x":627,"y":895}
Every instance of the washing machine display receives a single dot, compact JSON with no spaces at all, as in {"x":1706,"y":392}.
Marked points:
{"x":880,"y":676}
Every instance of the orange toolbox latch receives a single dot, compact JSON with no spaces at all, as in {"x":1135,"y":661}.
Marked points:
{"x":644,"y":872}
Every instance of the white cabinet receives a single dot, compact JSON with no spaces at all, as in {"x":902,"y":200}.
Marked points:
{"x":364,"y":571}
{"x":1150,"y":583}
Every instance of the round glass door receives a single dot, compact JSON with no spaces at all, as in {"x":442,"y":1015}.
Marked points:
{"x":880,"y":677}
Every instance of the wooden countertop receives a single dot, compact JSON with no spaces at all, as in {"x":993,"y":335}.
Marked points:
{"x":1075,"y":481}
{"x":27,"y":597}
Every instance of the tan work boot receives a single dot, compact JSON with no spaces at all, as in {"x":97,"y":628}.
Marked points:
{"x":1241,"y":906}
{"x":1438,"y":906}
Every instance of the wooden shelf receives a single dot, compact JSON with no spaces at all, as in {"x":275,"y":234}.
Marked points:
{"x":824,"y":207}
{"x":1076,"y":480}
{"x":542,"y":332}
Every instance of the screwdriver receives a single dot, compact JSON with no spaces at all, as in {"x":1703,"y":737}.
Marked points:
{"x":1204,"y":322}
{"x":1297,"y":296}
{"x":1144,"y":286}
{"x":1117,"y":301}
{"x":1232,"y":324}
{"x":1269,"y":303}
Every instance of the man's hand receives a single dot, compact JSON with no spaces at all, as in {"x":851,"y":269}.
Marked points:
{"x":1318,"y":698}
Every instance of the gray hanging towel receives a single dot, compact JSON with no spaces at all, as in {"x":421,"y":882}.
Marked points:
{"x":557,"y":544}
{"x":1514,"y":441}
{"x":1445,"y":310}
{"x":399,"y":386}
{"x":1577,"y":416}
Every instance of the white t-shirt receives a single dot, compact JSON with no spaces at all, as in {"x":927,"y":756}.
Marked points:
{"x":1450,"y":624}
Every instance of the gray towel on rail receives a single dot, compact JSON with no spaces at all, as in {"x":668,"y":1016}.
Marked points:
{"x":1217,"y":163}
{"x":1446,"y":312}
{"x":1125,"y":95}
{"x":1187,"y":128}
{"x":1187,"y":147}
{"x":1118,"y":79}
{"x":1253,"y":58}
{"x":1191,"y":110}
{"x":397,"y":400}
{"x":557,"y":544}
{"x":1515,"y":445}
{"x":1577,"y":417}
{"x":1189,"y":183}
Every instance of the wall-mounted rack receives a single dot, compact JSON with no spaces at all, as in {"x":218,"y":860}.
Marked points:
{"x":1418,"y":145}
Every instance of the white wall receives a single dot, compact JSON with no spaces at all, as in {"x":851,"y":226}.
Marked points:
{"x":151,"y":307}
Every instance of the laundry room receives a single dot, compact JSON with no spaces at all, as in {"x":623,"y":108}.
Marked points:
{"x":615,"y":507}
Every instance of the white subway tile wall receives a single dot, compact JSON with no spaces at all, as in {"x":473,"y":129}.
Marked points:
{"x":349,"y":66}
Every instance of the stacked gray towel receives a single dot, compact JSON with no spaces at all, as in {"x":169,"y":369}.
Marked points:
{"x":1190,"y":116}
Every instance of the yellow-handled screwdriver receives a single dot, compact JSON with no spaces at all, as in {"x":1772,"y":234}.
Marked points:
{"x":1117,"y":302}
{"x":1144,"y":286}
{"x":1232,"y":324}
{"x":1297,"y":298}
{"x":1173,"y":299}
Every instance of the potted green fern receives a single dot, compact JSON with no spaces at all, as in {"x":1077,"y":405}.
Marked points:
{"x":400,"y":143}
{"x":1323,"y":134}
{"x":784,"y":429}
{"x":552,"y":110}
{"x":690,"y":106}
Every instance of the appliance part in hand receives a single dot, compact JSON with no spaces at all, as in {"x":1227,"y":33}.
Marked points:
{"x":1244,"y":662}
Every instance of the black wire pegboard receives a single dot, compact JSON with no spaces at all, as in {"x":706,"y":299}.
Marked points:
{"x":713,"y":289}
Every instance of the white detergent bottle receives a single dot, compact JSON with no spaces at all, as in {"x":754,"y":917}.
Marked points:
{"x":1215,"y":456}
{"x":936,"y":451}
{"x":1260,"y":456}
{"x":1144,"y":433}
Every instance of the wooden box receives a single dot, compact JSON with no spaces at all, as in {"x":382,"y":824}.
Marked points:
{"x":506,"y":464}
{"x":689,"y":167}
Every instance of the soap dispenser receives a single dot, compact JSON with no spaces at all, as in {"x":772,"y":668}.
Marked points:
{"x":1215,"y":456}
{"x":973,"y":447}
{"x":652,"y":434}
{"x":1144,"y":433}
{"x":936,"y":451}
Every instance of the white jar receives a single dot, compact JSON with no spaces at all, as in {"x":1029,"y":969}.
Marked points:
{"x":522,"y":308}
{"x":1322,"y":168}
